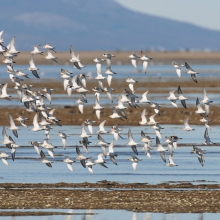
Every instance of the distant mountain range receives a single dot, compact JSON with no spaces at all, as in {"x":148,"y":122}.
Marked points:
{"x":97,"y":25}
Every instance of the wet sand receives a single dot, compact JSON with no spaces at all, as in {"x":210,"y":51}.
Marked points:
{"x":166,"y":197}
{"x":70,"y":115}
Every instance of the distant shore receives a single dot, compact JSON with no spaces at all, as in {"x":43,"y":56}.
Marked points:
{"x":121,"y":57}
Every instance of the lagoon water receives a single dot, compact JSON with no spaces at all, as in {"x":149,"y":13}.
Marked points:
{"x":27,"y":167}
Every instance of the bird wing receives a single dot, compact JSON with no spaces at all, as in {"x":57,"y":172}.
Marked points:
{"x":98,"y":113}
{"x":188,"y":66}
{"x":194,"y":78}
{"x":110,"y":147}
{"x":134,"y":148}
{"x":162,"y":154}
{"x":35,"y":122}
{"x":11,"y":120}
{"x":112,"y":158}
{"x":145,"y":64}
{"x":134,"y":165}
{"x":134,"y":62}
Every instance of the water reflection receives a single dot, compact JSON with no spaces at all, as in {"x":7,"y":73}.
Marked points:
{"x":116,"y":215}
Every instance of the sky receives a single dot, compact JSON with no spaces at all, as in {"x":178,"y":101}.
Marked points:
{"x":199,"y":12}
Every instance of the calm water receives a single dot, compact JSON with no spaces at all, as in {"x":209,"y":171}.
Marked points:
{"x":114,"y":214}
{"x":27,"y":166}
{"x":153,"y":71}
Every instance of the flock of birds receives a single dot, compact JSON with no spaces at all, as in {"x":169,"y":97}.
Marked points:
{"x":34,"y":101}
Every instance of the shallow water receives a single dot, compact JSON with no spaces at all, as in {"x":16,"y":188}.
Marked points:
{"x":27,"y":167}
{"x":153,"y":71}
{"x":111,"y":214}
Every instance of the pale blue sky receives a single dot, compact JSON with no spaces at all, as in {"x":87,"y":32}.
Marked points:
{"x":199,"y":12}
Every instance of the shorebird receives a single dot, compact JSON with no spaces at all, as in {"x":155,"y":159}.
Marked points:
{"x":108,"y":57}
{"x":48,"y":92}
{"x":172,"y":140}
{"x":157,"y":129}
{"x":178,"y":69}
{"x":156,"y":107}
{"x":199,"y":153}
{"x":35,"y":144}
{"x":147,"y":149}
{"x":200,"y":110}
{"x":100,"y":160}
{"x":101,"y":128}
{"x":115,"y":115}
{"x":186,"y":125}
{"x":145,"y":139}
{"x":143,"y":118}
{"x":45,"y":160}
{"x":50,"y":56}
{"x":36,"y":50}
{"x":48,"y":146}
{"x":11,"y":47}
{"x":4,"y":157}
{"x":115,"y":130}
{"x":49,"y":47}
{"x":181,"y":97}
{"x":22,"y":120}
{"x":110,"y":74}
{"x":13,"y":127}
{"x":111,"y":152}
{"x":135,"y":161}
{"x":206,"y":120}
{"x":63,"y":136}
{"x":32,"y":67}
{"x":89,"y":165}
{"x":206,"y":101}
{"x":171,"y":163}
{"x":75,"y":59}
{"x":36,"y":124}
{"x":97,"y":108}
{"x":4,"y":94}
{"x":1,"y":39}
{"x":90,"y":125}
{"x":172,"y":98}
{"x":146,"y":59}
{"x":109,"y":90}
{"x":131,"y":83}
{"x":134,"y":58}
{"x":7,"y":140}
{"x":161,"y":149}
{"x":83,"y":132}
{"x":101,"y":140}
{"x":69,"y":163}
{"x":207,"y":138}
{"x":131,"y":142}
{"x":192,"y":72}
{"x":81,"y":158}
{"x":85,"y":142}
{"x":144,"y":98}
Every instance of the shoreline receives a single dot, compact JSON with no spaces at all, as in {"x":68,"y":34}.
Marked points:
{"x":121,"y":57}
{"x":179,"y":198}
{"x":70,"y":115}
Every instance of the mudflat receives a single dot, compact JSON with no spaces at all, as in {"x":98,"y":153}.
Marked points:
{"x":70,"y":115}
{"x":121,"y":57}
{"x":165,"y":197}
